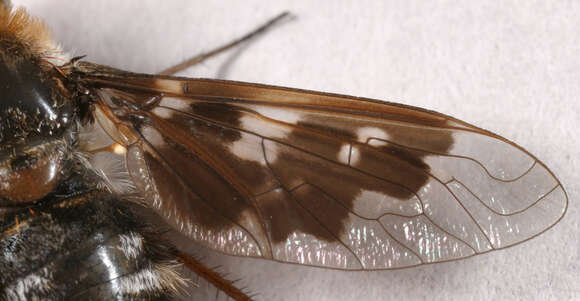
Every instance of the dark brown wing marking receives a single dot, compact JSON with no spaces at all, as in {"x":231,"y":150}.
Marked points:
{"x":320,"y":179}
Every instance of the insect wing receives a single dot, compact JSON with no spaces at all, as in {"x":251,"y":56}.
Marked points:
{"x":321,"y":179}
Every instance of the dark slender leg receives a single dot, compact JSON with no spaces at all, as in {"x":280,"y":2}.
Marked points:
{"x":212,"y":277}
{"x":203,"y":56}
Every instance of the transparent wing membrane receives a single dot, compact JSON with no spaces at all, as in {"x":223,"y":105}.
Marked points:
{"x":320,"y":179}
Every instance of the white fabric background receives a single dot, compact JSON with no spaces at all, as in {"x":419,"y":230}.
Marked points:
{"x":512,"y":67}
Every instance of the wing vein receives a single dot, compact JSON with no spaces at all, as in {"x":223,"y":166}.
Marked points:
{"x":220,"y":124}
{"x":511,"y":213}
{"x":305,"y":209}
{"x":226,"y":126}
{"x":368,"y":219}
{"x":221,"y":169}
{"x":459,"y":157}
{"x":180,"y":179}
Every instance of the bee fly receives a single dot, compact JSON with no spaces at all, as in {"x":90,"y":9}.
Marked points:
{"x":282,"y":174}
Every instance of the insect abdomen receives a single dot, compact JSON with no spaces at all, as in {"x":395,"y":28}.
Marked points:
{"x":86,"y":247}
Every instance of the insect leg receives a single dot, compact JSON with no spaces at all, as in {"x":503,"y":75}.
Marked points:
{"x":212,"y":277}
{"x":203,"y":56}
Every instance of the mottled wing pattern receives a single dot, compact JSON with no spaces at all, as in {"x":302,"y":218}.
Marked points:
{"x":319,"y":179}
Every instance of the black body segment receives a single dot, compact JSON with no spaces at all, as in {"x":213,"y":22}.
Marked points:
{"x":81,"y":244}
{"x":30,"y":102}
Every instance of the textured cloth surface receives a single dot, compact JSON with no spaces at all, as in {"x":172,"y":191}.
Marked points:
{"x":511,"y":67}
